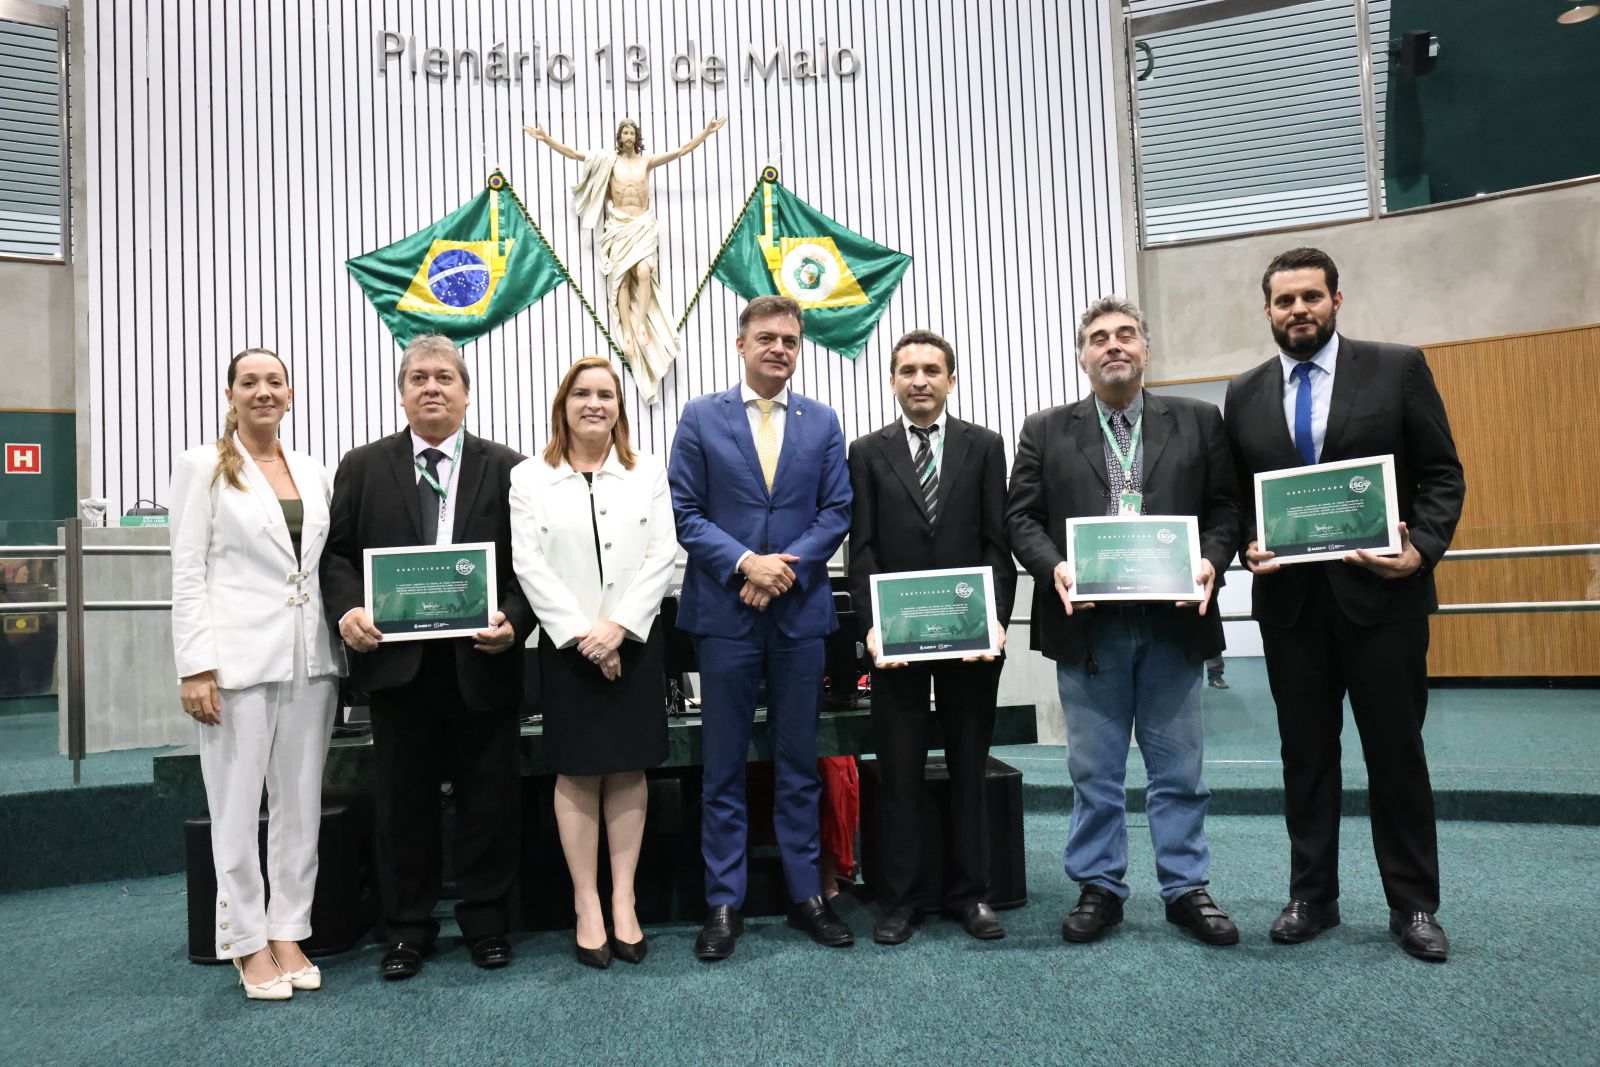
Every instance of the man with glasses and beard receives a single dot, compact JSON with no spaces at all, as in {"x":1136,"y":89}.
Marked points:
{"x":1356,"y":625}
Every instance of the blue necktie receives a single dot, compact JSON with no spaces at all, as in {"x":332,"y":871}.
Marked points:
{"x":1303,"y":441}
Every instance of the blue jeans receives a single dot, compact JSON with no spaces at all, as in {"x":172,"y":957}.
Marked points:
{"x":1145,"y":687}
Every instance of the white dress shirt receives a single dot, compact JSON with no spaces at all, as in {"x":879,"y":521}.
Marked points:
{"x":447,"y":478}
{"x":935,"y":441}
{"x":1321,"y":390}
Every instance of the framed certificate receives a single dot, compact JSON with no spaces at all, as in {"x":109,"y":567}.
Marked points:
{"x":1307,"y":514}
{"x":941,"y":614}
{"x":1134,"y":557}
{"x":427,"y":591}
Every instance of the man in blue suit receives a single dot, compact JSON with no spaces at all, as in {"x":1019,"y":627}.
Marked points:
{"x":761,"y":494}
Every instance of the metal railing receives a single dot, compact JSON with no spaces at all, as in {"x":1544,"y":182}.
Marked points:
{"x":74,"y":604}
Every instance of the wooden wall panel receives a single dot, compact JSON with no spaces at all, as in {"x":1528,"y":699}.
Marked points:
{"x":1521,"y":408}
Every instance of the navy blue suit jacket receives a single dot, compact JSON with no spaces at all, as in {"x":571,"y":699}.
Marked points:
{"x":723,"y":509}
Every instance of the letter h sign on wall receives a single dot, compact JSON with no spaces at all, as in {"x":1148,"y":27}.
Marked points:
{"x":22,"y":459}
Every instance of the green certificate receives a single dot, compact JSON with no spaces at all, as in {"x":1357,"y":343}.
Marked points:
{"x":1306,"y":514}
{"x":942,"y":614}
{"x":1134,"y":557}
{"x":428,"y":591}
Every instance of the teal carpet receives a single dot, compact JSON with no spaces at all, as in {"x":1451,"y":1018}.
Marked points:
{"x":95,"y":974}
{"x":31,"y":760}
{"x":1523,"y":754}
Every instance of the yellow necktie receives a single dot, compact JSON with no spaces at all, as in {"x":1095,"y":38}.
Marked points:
{"x":767,"y":442}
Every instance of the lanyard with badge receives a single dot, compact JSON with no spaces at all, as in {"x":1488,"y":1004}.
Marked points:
{"x":1129,"y":503}
{"x":433,"y":483}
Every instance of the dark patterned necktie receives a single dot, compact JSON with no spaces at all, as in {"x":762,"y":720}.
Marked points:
{"x":1119,"y":483}
{"x":927,"y":469}
{"x":428,"y":497}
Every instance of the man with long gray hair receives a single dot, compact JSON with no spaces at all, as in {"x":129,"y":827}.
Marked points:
{"x":1127,"y":666}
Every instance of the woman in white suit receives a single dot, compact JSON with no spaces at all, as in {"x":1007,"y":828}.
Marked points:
{"x":258,"y":668}
{"x":593,"y":544}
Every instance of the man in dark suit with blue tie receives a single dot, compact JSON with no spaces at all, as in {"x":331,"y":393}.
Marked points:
{"x":1356,"y":625}
{"x":761,"y":495}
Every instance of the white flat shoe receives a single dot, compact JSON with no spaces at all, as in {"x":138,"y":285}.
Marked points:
{"x":307,"y":977}
{"x":276,"y":988}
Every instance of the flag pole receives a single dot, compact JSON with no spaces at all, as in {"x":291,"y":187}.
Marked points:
{"x":768,"y":175}
{"x":562,"y":267}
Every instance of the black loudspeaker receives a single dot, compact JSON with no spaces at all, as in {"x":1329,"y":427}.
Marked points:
{"x":670,"y":883}
{"x":346,"y":903}
{"x":1008,"y":871}
{"x":1416,"y":55}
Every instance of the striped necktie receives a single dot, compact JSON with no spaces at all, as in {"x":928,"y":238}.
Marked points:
{"x":767,"y":442}
{"x":927,"y":465}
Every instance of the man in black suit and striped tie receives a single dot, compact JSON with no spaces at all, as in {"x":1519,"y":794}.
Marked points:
{"x":930,"y":493}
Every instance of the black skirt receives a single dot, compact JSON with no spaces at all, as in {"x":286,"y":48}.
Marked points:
{"x":595,"y":726}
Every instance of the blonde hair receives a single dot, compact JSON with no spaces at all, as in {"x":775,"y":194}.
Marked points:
{"x":230,"y":461}
{"x":560,"y":445}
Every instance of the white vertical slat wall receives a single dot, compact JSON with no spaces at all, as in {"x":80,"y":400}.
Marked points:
{"x":239,"y":154}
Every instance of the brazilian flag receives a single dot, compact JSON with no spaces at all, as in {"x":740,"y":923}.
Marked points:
{"x":784,"y":246}
{"x":464,"y":275}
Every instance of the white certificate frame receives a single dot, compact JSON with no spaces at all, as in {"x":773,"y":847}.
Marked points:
{"x":486,"y":547}
{"x":1391,"y":498}
{"x":1191,"y":533}
{"x":957,"y":654}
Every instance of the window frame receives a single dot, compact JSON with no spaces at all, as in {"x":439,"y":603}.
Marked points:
{"x":1158,"y":17}
{"x":53,"y":17}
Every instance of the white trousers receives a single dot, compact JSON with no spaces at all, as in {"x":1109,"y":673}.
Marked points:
{"x":275,"y":734}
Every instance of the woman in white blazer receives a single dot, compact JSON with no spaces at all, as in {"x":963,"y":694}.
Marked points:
{"x":593,"y":544}
{"x":257,"y":668}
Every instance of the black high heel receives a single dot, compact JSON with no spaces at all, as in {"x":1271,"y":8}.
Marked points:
{"x":627,"y":953}
{"x":595,"y":957}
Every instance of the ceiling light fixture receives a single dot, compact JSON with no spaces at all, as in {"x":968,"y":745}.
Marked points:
{"x":1580,"y":13}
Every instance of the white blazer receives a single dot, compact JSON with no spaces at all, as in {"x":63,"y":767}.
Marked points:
{"x":235,"y":597}
{"x":553,"y":544}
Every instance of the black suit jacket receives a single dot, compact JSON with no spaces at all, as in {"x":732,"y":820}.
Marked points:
{"x":889,"y":527}
{"x":1384,"y":402}
{"x":375,"y":506}
{"x":1060,"y":473}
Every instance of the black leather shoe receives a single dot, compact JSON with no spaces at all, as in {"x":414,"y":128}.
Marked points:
{"x":1200,"y":914}
{"x":403,"y":960}
{"x":594,"y":957}
{"x":816,"y":917}
{"x":719,"y":934}
{"x":1098,"y":910}
{"x":1420,"y":935}
{"x":627,"y":953}
{"x":980,"y":921}
{"x":1302,"y":920}
{"x":490,"y":951}
{"x":893,"y":927}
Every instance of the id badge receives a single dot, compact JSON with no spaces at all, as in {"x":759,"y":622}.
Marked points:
{"x":1130,"y":503}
